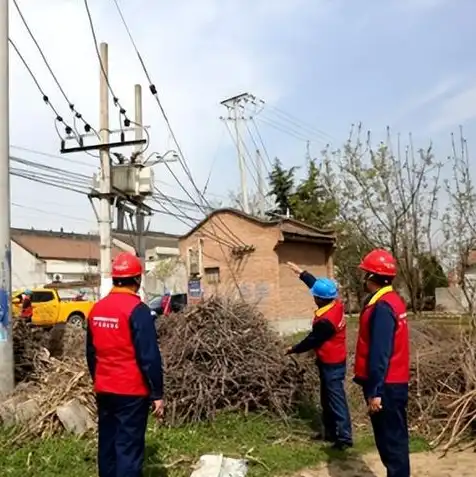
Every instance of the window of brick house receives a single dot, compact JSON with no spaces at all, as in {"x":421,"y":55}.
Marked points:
{"x":212,"y":275}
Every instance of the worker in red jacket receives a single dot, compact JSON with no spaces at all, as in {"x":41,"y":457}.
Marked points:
{"x":26,"y":306}
{"x":328,"y":340}
{"x":125,"y":363}
{"x":382,"y":361}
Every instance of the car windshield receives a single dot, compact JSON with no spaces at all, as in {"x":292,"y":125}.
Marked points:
{"x":155,"y":302}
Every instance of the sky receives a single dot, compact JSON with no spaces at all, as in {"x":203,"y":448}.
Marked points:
{"x":319,"y":66}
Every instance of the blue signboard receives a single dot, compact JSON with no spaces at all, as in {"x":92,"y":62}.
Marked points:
{"x":195,"y":288}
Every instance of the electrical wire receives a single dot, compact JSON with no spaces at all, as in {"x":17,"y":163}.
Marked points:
{"x":58,"y":118}
{"x":48,"y":212}
{"x":265,"y":149}
{"x":122,"y":111}
{"x":80,"y":183}
{"x":181,"y":156}
{"x":246,"y":150}
{"x":215,"y":237}
{"x":77,"y":115}
{"x":53,"y":156}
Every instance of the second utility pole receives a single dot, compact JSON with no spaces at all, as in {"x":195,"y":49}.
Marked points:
{"x":140,"y":228}
{"x":105,"y":219}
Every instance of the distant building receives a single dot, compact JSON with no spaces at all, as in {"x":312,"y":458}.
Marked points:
{"x":230,"y":249}
{"x":40,"y":257}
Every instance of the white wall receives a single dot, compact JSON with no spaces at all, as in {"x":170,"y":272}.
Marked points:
{"x":70,"y":267}
{"x":27,"y":270}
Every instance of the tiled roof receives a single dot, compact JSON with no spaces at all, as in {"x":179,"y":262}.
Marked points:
{"x":287,"y":226}
{"x":152,"y":239}
{"x":72,"y":246}
{"x":59,"y":245}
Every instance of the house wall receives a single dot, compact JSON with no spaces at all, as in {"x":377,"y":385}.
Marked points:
{"x":256,"y":274}
{"x":262,"y":275}
{"x":296,"y":301}
{"x":27,"y":270}
{"x":70,"y":269}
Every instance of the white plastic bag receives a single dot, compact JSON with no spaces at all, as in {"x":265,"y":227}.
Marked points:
{"x":218,"y":466}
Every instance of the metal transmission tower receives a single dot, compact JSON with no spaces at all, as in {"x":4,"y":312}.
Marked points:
{"x":236,"y":114}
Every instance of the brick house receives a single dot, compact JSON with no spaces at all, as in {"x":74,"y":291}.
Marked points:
{"x":231,"y":250}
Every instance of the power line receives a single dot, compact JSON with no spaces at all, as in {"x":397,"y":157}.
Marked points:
{"x":181,"y":156}
{"x":77,"y":115}
{"x":79,"y":183}
{"x":270,"y":162}
{"x":48,"y":212}
{"x":58,"y":119}
{"x":53,"y":156}
{"x":115,"y":99}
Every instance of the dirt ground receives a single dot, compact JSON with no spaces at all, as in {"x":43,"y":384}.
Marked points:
{"x":461,"y":464}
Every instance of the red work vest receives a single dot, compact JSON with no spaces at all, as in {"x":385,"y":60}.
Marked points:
{"x":117,"y":371}
{"x":333,"y":351}
{"x":166,"y":305}
{"x":399,"y":366}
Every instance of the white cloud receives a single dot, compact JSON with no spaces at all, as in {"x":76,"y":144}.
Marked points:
{"x":456,"y":110}
{"x":428,"y":98}
{"x":198,"y":53}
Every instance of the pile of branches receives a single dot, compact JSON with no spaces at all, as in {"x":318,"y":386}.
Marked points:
{"x":218,"y":356}
{"x":223,"y":355}
{"x":49,"y":369}
{"x":442,"y":403}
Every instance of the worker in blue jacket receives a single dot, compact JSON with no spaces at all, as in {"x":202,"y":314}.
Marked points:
{"x":328,"y":340}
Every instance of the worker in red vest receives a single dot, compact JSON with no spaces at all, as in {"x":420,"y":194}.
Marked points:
{"x":26,"y":306}
{"x":328,"y":339}
{"x":125,"y":363}
{"x":382,"y":361}
{"x":166,"y":304}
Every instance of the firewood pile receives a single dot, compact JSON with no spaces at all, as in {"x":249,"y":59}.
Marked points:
{"x":223,"y":356}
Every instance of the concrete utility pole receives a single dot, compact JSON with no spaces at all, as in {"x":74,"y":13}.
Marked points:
{"x":140,"y":228}
{"x":235,"y":107}
{"x":241,"y":160}
{"x":6,"y":343}
{"x":261,"y":192}
{"x":105,"y":218}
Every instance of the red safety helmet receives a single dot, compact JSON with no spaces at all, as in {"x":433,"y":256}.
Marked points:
{"x":379,"y":262}
{"x":126,"y":265}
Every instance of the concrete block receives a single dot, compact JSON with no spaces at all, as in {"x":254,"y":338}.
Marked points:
{"x":16,"y":412}
{"x":7,"y":413}
{"x":27,"y":411}
{"x":75,"y":417}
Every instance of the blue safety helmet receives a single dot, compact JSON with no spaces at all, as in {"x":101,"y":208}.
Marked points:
{"x":28,"y":292}
{"x":325,"y":288}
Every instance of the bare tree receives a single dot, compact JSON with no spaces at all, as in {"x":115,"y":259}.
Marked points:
{"x":460,"y":221}
{"x":389,"y":195}
{"x":165,"y":268}
{"x":254,"y":202}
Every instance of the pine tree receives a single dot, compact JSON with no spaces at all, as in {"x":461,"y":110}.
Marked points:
{"x":312,"y":203}
{"x":281,"y":184}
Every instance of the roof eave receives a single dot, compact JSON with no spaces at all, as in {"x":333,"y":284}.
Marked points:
{"x":295,"y":237}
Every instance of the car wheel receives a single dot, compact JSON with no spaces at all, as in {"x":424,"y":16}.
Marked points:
{"x":76,"y":320}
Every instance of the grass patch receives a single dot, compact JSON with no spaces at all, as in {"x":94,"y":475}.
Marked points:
{"x":272,"y":447}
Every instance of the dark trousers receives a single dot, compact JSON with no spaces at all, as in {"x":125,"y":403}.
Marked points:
{"x":391,"y":430}
{"x":122,"y":424}
{"x":335,"y":411}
